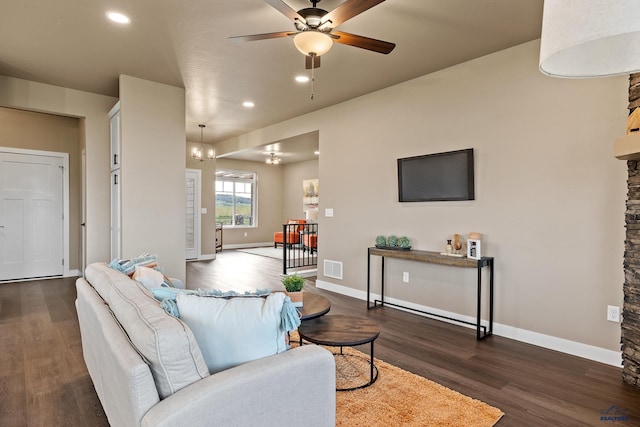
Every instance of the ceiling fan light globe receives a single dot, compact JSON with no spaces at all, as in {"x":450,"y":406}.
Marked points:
{"x":315,"y":42}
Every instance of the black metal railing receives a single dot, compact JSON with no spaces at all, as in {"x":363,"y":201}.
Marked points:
{"x":300,"y":246}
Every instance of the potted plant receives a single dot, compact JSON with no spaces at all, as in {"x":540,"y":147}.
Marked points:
{"x":404,"y":243}
{"x":293,"y":284}
{"x":381,"y":241}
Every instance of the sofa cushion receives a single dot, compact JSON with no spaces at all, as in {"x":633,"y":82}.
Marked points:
{"x":149,"y":277}
{"x":165,"y":342}
{"x":232,"y":331}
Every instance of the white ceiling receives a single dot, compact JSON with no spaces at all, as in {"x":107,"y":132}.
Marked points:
{"x":185,"y":43}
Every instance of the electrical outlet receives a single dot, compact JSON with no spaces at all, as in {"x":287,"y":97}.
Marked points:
{"x":613,"y":313}
{"x":245,"y":234}
{"x":405,"y":277}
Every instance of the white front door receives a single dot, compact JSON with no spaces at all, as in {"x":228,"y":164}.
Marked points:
{"x":193,"y":213}
{"x":31,"y":216}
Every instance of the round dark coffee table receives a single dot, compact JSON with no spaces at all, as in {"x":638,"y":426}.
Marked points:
{"x":343,"y":331}
{"x":314,"y":305}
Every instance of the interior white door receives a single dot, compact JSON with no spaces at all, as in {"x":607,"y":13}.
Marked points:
{"x":31,"y":216}
{"x":192,"y":237}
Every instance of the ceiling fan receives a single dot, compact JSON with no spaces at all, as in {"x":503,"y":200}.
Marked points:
{"x":315,"y":29}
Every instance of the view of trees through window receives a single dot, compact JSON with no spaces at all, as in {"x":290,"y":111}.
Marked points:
{"x":235,"y":198}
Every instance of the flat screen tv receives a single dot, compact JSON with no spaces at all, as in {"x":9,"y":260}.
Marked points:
{"x":436,"y":177}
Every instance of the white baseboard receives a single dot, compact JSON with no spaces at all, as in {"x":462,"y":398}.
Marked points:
{"x":68,"y":273}
{"x":72,"y":273}
{"x":574,"y":348}
{"x":247,"y":245}
{"x":562,"y":345}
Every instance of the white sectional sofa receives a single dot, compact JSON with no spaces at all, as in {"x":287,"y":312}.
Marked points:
{"x":148,"y":370}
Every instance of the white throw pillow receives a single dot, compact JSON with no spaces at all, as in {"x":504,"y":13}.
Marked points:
{"x":149,"y":277}
{"x":232,"y":331}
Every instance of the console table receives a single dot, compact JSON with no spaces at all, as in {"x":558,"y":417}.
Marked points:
{"x":482,"y":331}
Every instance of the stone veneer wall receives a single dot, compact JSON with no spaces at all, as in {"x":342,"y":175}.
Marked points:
{"x":631,"y":307}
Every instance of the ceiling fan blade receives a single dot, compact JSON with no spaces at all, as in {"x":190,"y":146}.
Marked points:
{"x":286,"y":10}
{"x":265,"y":36}
{"x":348,"y":10}
{"x":307,"y":62}
{"x":363,"y":42}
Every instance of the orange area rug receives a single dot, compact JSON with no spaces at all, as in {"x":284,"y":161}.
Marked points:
{"x":400,"y":398}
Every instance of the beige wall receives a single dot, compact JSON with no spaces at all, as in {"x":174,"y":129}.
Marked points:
{"x":153,"y":198}
{"x":93,"y":110}
{"x":48,"y":132}
{"x":550,"y":197}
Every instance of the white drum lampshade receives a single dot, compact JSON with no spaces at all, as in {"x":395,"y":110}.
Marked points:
{"x":590,"y":38}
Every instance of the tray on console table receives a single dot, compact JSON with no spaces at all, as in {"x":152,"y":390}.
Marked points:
{"x":482,"y":331}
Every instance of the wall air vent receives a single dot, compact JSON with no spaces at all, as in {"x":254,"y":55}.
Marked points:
{"x":333,"y":269}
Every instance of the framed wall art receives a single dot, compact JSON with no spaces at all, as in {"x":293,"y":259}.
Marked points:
{"x":310,"y":190}
{"x":474,"y":249}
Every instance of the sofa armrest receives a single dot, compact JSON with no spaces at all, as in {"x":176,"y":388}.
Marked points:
{"x":293,"y":388}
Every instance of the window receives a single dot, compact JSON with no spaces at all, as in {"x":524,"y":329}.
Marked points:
{"x":235,"y":198}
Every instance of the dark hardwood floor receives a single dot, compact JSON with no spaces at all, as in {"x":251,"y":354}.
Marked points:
{"x":43,"y":380}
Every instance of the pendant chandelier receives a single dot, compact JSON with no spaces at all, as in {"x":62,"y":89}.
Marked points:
{"x":273,"y":160}
{"x":198,"y":152}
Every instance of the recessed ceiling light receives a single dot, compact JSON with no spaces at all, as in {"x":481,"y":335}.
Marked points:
{"x":302,"y":79}
{"x":316,"y":152}
{"x":118,"y":17}
{"x":248,"y":104}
